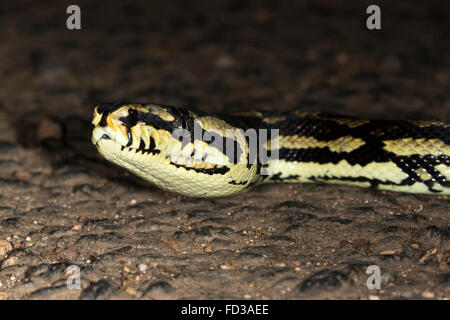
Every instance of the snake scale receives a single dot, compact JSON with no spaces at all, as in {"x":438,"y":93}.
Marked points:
{"x":218,"y":155}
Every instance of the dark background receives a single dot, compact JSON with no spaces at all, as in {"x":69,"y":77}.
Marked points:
{"x":228,"y":55}
{"x":277,"y":241}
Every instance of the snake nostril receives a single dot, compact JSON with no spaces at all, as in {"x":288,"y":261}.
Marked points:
{"x":133,"y":114}
{"x":130,"y":120}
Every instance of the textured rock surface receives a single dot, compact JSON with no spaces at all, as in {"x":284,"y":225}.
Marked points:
{"x":62,"y":205}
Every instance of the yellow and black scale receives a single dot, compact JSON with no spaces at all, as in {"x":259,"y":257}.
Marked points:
{"x":397,"y":155}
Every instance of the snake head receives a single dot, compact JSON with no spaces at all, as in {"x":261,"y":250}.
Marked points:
{"x":144,"y":139}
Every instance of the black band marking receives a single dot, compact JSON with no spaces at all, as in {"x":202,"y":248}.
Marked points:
{"x":211,"y":171}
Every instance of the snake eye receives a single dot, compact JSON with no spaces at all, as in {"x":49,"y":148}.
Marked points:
{"x":133,"y":117}
{"x":130,"y":120}
{"x":133,"y":114}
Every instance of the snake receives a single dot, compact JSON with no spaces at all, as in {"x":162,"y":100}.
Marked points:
{"x":202,"y":154}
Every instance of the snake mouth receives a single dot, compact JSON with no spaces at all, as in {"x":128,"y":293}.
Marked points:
{"x":99,"y":134}
{"x":103,"y":137}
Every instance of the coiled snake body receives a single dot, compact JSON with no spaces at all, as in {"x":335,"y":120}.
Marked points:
{"x":402,"y":155}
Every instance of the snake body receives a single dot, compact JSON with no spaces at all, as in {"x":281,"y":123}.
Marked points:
{"x":396,"y":155}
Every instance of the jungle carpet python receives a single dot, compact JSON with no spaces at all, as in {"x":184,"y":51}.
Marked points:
{"x":218,"y":156}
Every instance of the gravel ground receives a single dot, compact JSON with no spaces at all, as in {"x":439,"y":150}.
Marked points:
{"x":62,"y":205}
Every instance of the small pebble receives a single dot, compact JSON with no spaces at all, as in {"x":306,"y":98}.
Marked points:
{"x":131,"y":291}
{"x":342,"y":58}
{"x":428,"y":295}
{"x":225,"y":62}
{"x":12,"y":261}
{"x":77,"y":227}
{"x":5,"y":248}
{"x":142,"y":267}
{"x":49,"y":129}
